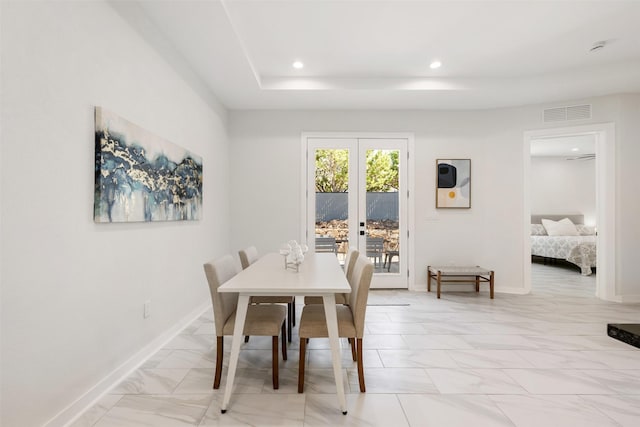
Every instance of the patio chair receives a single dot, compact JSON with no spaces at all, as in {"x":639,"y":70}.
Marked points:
{"x":326,"y":244}
{"x":375,"y":249}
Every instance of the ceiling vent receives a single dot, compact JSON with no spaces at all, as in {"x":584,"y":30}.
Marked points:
{"x":573,"y":112}
{"x":583,"y":157}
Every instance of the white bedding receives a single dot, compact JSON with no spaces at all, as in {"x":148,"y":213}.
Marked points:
{"x":579,"y":250}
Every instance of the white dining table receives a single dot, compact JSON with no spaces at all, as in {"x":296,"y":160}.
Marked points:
{"x":320,"y":274}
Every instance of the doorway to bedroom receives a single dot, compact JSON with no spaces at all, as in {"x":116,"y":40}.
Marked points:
{"x":563,"y":215}
{"x":570,"y":173}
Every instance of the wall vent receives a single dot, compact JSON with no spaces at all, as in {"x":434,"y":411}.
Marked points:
{"x":579,"y":112}
{"x":572,"y":112}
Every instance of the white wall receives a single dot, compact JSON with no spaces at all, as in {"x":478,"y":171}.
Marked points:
{"x":265,"y":197}
{"x":628,"y":202}
{"x":560,"y":186}
{"x":72,"y":290}
{"x":266,"y":206}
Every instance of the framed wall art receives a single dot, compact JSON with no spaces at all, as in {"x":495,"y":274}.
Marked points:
{"x":142,"y":177}
{"x":453,"y":177}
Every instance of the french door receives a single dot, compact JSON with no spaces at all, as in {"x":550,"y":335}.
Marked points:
{"x":357,"y":198}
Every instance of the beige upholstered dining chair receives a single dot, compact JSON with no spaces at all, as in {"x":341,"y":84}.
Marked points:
{"x":349,"y":262}
{"x":247,"y":257}
{"x":261,"y":320}
{"x":313,"y":322}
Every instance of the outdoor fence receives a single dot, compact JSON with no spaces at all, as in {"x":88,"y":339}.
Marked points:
{"x":380,"y":206}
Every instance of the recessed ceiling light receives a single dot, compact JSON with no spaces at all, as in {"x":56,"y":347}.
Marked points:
{"x":435,"y":64}
{"x":575,"y":149}
{"x":298,"y":65}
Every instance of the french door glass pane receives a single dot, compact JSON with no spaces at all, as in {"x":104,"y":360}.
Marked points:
{"x":383,"y":209}
{"x":332,"y":205}
{"x":353,"y":199}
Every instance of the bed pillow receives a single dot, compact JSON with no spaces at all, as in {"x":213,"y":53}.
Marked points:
{"x":538,"y":230}
{"x":564,"y":227}
{"x":586,"y":230}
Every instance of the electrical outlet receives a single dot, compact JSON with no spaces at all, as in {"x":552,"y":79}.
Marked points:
{"x":147,"y":309}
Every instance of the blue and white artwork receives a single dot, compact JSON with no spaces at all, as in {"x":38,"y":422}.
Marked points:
{"x":142,"y":177}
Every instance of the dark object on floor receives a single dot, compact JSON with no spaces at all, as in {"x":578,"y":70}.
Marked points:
{"x":625,"y":332}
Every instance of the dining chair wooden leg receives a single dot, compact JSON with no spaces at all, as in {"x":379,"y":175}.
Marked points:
{"x":360,"y":366}
{"x":289,"y":322}
{"x":303,"y":351}
{"x":352,"y":341}
{"x":293,"y":311}
{"x":274,"y":357}
{"x":284,"y":343}
{"x":219,"y":353}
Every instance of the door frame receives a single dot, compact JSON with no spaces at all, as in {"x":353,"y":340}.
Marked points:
{"x":605,"y":202}
{"x":409,"y":136}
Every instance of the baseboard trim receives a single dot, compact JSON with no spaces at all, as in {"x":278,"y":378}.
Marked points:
{"x":72,"y":412}
{"x":510,"y":290}
{"x":468,"y":288}
{"x":627,"y":299}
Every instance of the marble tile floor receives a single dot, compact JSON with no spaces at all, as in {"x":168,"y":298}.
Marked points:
{"x":540,"y":359}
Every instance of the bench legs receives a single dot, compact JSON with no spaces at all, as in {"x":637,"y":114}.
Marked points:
{"x":478,"y":279}
{"x":491,"y":284}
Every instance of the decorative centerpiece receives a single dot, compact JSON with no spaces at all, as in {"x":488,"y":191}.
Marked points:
{"x":285,"y":250}
{"x":293,"y":254}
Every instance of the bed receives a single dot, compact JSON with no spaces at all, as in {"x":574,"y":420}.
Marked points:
{"x":573,"y":242}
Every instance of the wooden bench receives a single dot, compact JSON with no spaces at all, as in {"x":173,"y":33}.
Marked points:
{"x":463,"y":274}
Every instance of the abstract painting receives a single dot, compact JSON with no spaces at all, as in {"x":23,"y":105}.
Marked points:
{"x":454,"y":183}
{"x":142,"y":177}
